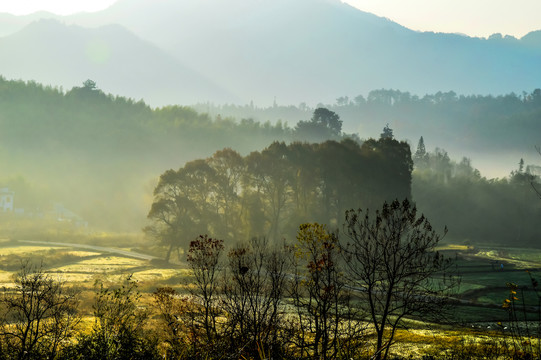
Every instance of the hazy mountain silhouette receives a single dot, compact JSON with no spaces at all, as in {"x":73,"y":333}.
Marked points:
{"x":10,"y":24}
{"x":317,"y":50}
{"x":294,"y":51}
{"x":121,"y":63}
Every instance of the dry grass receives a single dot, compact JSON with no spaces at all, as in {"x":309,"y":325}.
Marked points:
{"x":80,"y":267}
{"x":30,"y":251}
{"x":84,"y":268}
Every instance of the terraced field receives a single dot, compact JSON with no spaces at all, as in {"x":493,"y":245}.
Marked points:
{"x":82,"y":265}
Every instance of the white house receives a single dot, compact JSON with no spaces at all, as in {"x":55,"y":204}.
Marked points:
{"x":63,"y":214}
{"x":6,"y":199}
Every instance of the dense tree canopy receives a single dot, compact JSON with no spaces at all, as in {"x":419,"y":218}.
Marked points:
{"x":92,"y":151}
{"x":477,"y":210}
{"x":269,"y":192}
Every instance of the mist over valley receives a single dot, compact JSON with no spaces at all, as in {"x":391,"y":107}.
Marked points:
{"x":183,"y":158}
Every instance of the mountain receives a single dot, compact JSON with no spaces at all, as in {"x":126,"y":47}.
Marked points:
{"x":118,"y":61}
{"x":310,"y":51}
{"x":318,"y":50}
{"x":10,"y":24}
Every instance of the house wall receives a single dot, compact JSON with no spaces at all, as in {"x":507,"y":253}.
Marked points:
{"x":6,"y":199}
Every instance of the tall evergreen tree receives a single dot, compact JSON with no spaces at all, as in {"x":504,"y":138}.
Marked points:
{"x":420,"y":158}
{"x":387,"y":133}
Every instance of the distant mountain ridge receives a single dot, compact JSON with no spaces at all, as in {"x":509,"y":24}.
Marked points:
{"x":51,"y":52}
{"x":292,"y":51}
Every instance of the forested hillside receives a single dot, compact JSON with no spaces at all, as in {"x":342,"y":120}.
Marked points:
{"x":477,"y":210}
{"x":494,"y":131}
{"x":101,"y":156}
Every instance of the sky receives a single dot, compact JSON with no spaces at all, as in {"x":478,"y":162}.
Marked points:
{"x":479,"y":18}
{"x":60,"y":7}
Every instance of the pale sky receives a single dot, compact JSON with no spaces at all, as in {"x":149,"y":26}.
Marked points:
{"x":480,"y":18}
{"x":60,"y":7}
{"x":471,"y":17}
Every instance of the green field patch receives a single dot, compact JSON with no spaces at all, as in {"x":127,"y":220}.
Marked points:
{"x":471,"y":315}
{"x":497,"y":296}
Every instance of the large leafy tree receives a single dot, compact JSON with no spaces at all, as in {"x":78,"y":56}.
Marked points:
{"x":270,"y":176}
{"x":305,"y":183}
{"x":324,"y":124}
{"x":389,"y":164}
{"x":181,"y":209}
{"x":269,"y":192}
{"x":229,"y":168}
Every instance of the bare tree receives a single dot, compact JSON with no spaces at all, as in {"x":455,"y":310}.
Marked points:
{"x":38,"y":315}
{"x":204,"y":258}
{"x":179,"y":332}
{"x":391,"y":258}
{"x":253,"y":296}
{"x":119,"y":330}
{"x":328,"y":324}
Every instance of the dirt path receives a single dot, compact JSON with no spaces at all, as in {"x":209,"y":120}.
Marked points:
{"x":126,"y":253}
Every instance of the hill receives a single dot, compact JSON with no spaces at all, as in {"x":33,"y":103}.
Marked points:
{"x":317,"y":50}
{"x":303,"y":51}
{"x":51,"y":52}
{"x":100,"y":155}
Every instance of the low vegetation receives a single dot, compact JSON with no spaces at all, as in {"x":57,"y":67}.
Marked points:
{"x":260,"y":300}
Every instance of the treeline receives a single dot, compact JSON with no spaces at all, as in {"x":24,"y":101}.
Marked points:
{"x":98,"y":154}
{"x":490,"y":121}
{"x":269,"y":192}
{"x":477,"y":210}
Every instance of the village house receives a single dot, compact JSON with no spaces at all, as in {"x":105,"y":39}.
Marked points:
{"x":6,"y":199}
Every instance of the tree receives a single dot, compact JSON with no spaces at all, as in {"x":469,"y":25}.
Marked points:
{"x":390,"y":166}
{"x":325,"y":318}
{"x":203,"y":258}
{"x":324,"y":125}
{"x":118,"y":331}
{"x":181,"y":209}
{"x":305,"y":183}
{"x":167,"y":302}
{"x":390,"y":257}
{"x":440,"y":164}
{"x":270,"y":176}
{"x":532,"y":183}
{"x":89,"y":85}
{"x":327,"y":118}
{"x":340,"y":166}
{"x":253,"y":295}
{"x":38,"y":316}
{"x":420,"y":158}
{"x":228,"y":166}
{"x":387,"y":133}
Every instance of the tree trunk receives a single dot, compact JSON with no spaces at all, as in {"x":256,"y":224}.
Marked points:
{"x":168,"y":255}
